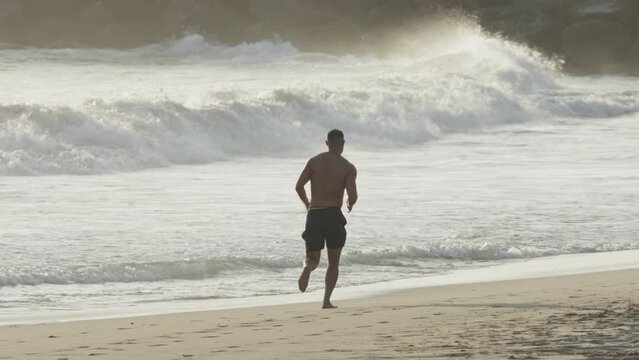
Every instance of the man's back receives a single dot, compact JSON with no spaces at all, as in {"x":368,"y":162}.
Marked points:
{"x":329,"y":175}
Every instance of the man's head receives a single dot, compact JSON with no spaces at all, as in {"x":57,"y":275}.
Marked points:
{"x":335,"y":141}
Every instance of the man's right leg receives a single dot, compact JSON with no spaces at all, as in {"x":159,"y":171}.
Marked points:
{"x":310,"y":264}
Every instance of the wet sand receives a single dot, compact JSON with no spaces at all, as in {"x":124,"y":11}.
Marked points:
{"x":588,"y":316}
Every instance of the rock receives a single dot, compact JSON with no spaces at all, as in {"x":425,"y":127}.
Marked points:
{"x":594,"y":43}
{"x":352,"y":10}
{"x":623,"y":11}
{"x":493,"y":3}
{"x":256,"y":32}
{"x":552,"y":7}
{"x":290,"y":14}
{"x":309,"y":23}
{"x":52,"y":31}
{"x":530,"y":25}
{"x":341,"y":35}
{"x":270,"y":12}
{"x":185,"y":15}
{"x":129,"y":11}
{"x":633,"y":54}
{"x":131,"y":34}
{"x":11,"y":13}
{"x":63,"y":9}
{"x":391,"y":13}
{"x":95,"y":16}
{"x":227,"y":22}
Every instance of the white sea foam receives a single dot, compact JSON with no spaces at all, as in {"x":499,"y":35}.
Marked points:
{"x":195,"y":269}
{"x":199,"y":269}
{"x":126,"y":136}
{"x":190,"y":48}
{"x":394,"y":101}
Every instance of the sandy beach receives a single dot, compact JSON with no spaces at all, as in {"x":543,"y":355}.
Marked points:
{"x":587,"y":316}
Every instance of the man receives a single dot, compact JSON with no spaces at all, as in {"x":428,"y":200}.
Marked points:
{"x":330,"y":174}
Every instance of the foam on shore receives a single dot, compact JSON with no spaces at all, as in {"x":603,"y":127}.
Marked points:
{"x":561,"y":265}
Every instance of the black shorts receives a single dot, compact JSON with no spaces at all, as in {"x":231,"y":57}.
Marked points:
{"x":324,"y":224}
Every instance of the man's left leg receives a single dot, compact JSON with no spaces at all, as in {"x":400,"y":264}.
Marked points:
{"x":332,"y":272}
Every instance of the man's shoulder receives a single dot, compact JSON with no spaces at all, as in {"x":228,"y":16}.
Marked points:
{"x":348,"y":163}
{"x":317,"y":157}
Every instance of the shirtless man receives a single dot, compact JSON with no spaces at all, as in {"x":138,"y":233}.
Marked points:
{"x":330,"y":174}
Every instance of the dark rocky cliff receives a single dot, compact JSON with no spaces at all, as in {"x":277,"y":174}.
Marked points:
{"x":590,"y":35}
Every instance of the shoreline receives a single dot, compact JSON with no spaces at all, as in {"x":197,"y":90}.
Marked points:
{"x":519,"y":269}
{"x":565,"y":317}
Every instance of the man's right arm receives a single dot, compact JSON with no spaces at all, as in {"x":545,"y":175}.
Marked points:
{"x":351,"y":188}
{"x":305,"y":177}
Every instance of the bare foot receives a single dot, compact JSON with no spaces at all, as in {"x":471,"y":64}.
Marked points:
{"x":303,"y":281}
{"x":329,"y":306}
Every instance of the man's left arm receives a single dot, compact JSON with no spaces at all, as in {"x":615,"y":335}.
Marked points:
{"x":305,"y":177}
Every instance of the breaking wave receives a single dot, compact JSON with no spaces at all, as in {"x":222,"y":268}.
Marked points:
{"x":480,"y":83}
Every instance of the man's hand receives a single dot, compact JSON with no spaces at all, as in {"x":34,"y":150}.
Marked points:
{"x":349,"y":206}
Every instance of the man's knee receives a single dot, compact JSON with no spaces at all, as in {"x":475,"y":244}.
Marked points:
{"x":310,"y":263}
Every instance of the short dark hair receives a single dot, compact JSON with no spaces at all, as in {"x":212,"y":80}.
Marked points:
{"x":335,"y":135}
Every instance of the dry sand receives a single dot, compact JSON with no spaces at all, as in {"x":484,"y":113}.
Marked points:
{"x":590,"y":316}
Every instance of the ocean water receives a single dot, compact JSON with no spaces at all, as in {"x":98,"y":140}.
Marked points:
{"x":165,"y":173}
